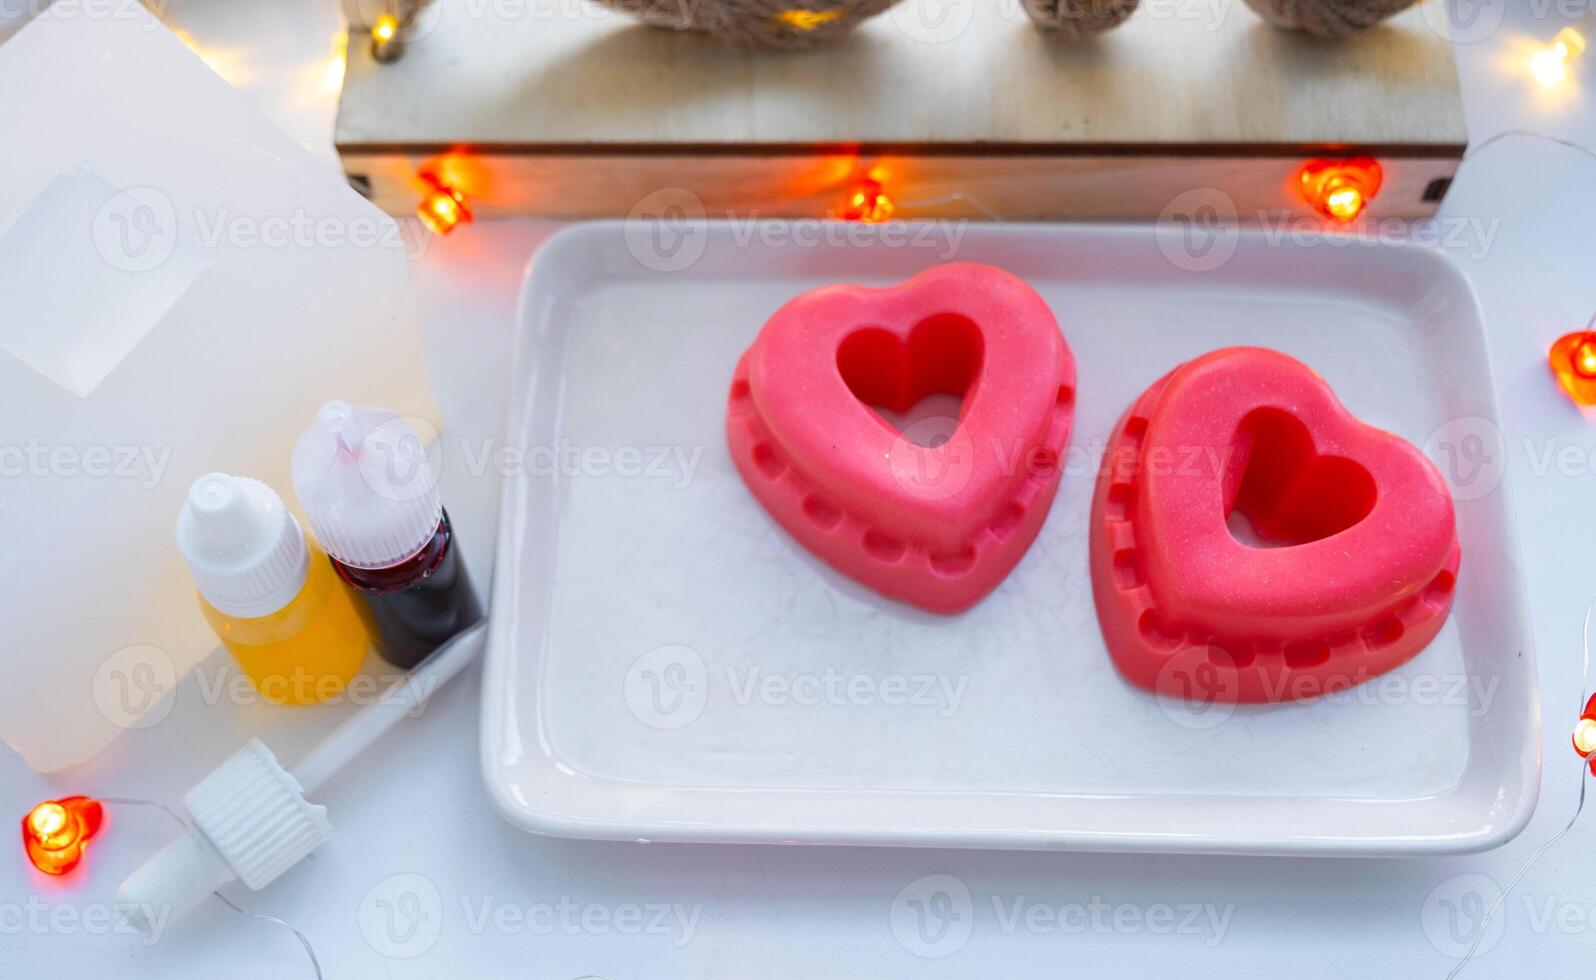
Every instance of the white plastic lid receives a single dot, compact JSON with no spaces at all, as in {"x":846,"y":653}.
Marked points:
{"x":367,"y":487}
{"x":245,"y":549}
{"x":251,"y":824}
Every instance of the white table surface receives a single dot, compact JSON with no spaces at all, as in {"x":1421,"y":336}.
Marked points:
{"x":423,"y":880}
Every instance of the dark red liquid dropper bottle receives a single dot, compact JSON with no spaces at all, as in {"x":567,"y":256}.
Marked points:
{"x":367,"y":487}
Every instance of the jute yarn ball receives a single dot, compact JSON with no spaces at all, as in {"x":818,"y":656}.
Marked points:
{"x":1079,"y":19}
{"x":761,"y":23}
{"x":1327,"y":18}
{"x":802,"y":23}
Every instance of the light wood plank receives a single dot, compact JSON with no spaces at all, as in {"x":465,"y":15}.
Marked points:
{"x":562,"y":72}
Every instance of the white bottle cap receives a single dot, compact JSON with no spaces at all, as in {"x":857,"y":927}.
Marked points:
{"x":246,"y":551}
{"x":363,"y":477}
{"x":251,"y":824}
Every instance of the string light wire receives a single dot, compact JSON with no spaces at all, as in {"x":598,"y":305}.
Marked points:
{"x":1584,"y":770}
{"x":310,"y":951}
{"x":1532,"y":134}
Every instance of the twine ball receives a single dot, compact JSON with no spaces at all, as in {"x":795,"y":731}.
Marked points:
{"x":756,"y":23}
{"x":802,"y":23}
{"x":1327,"y":18}
{"x":1079,"y":19}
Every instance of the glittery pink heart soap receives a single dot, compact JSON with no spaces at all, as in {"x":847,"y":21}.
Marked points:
{"x":1353,"y":552}
{"x":938,"y":526}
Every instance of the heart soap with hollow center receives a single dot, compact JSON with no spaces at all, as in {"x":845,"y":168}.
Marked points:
{"x":935,"y":523}
{"x":1350,"y":563}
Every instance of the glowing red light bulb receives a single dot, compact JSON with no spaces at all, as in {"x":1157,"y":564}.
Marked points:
{"x":868,"y":202}
{"x":443,"y":209}
{"x":1340,"y":189}
{"x":1585,"y":733}
{"x":55,"y":832}
{"x":1573,"y":362}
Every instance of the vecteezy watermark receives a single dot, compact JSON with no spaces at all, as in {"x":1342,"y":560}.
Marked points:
{"x":933,"y":21}
{"x":1548,"y":456}
{"x":150,"y":12}
{"x":421,"y":17}
{"x":299,"y":228}
{"x":509,"y":10}
{"x":671,"y":921}
{"x":934,"y":458}
{"x":403,"y":457}
{"x":138,"y":229}
{"x":1194,"y":692}
{"x":403,"y":916}
{"x":36,"y":917}
{"x":1197,"y":230}
{"x":668,"y":687}
{"x":934,"y":916}
{"x":1198,"y":685}
{"x":400,"y":457}
{"x":943,"y":235}
{"x":417,"y":18}
{"x":1470,"y":456}
{"x":834,"y":687}
{"x":1468,"y":236}
{"x":1453,"y":915}
{"x":674,"y":464}
{"x":36,"y":458}
{"x":1465,"y":21}
{"x":223,"y":684}
{"x":668,"y":231}
{"x":1210,"y":13}
{"x":135,"y":230}
{"x":132,"y":687}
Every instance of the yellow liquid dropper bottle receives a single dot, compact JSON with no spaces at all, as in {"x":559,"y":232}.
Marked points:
{"x":270,"y":595}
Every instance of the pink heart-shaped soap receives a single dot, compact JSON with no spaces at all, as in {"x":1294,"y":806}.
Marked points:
{"x":936,"y":526}
{"x":1355,"y":556}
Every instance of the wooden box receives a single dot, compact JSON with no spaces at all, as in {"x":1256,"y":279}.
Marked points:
{"x":560,"y":108}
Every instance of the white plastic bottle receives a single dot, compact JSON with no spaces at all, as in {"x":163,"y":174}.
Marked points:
{"x":369,"y":492}
{"x":270,"y":595}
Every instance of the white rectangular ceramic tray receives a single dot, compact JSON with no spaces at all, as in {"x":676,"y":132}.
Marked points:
{"x":666,"y":664}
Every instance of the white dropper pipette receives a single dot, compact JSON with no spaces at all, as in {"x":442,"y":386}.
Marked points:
{"x":251,"y":821}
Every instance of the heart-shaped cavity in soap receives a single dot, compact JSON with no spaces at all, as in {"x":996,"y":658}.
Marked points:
{"x":937,"y":525}
{"x":1286,"y":491}
{"x":940,"y":356}
{"x":1253,"y":541}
